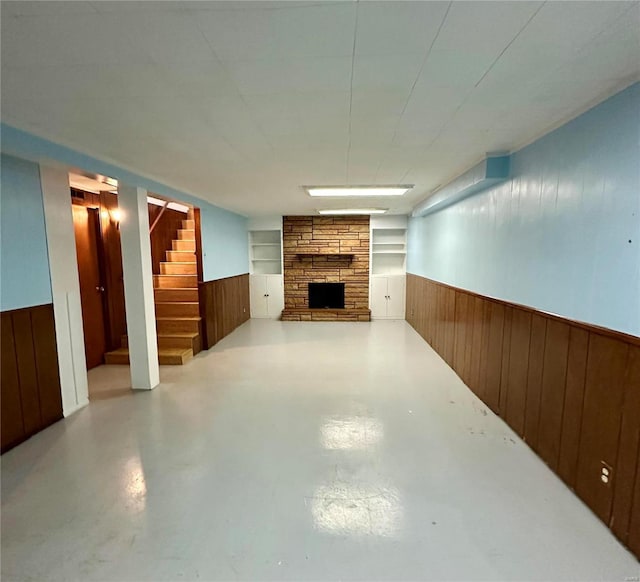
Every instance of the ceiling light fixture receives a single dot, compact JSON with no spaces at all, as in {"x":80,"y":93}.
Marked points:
{"x":357,"y":190}
{"x":354,"y":211}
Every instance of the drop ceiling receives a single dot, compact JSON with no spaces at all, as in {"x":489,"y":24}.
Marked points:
{"x":242,"y":103}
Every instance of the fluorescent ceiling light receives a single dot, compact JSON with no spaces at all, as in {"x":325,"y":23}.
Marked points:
{"x":354,"y":211}
{"x":357,"y":190}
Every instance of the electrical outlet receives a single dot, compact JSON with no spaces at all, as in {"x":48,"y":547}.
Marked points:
{"x":606,"y":472}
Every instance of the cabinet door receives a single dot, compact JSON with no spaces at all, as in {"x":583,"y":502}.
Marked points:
{"x":258,"y":291}
{"x":396,"y":297}
{"x":378,"y":300}
{"x":275,"y":299}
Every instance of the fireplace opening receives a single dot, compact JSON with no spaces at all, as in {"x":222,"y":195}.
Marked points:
{"x":326,"y":295}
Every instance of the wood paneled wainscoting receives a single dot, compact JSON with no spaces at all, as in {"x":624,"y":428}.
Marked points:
{"x":29,"y":378}
{"x":570,"y":390}
{"x":224,"y":305}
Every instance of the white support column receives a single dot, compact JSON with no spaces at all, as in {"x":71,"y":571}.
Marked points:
{"x":138,"y":287}
{"x":65,"y":287}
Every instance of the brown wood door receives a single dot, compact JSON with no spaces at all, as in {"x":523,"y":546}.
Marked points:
{"x":86,"y":225}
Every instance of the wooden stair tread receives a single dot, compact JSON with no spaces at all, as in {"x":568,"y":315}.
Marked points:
{"x":175,"y":288}
{"x":177,"y":303}
{"x":166,"y":356}
{"x":181,"y":334}
{"x":170,"y":318}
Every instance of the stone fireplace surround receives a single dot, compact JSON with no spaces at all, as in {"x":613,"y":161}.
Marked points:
{"x":322,"y":249}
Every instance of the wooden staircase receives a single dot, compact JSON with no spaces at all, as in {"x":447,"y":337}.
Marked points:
{"x":176,"y":301}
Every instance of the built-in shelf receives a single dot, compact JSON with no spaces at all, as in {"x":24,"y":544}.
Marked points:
{"x":265,"y":249}
{"x":388,"y":251}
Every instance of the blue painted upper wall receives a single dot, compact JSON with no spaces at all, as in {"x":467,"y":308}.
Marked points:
{"x":224,"y":233}
{"x":24,"y":263}
{"x":562,"y":235}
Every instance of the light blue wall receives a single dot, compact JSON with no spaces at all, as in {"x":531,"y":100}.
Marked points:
{"x":225,"y":246}
{"x":563,"y":235}
{"x":224,"y":233}
{"x":24,"y":264}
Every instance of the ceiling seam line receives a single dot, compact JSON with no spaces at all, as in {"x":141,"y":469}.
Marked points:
{"x":526,"y":24}
{"x":506,"y":48}
{"x":240,"y":95}
{"x":415,"y":82}
{"x":353,"y":60}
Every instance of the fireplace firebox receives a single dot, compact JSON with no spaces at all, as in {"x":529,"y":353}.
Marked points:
{"x":326,"y":295}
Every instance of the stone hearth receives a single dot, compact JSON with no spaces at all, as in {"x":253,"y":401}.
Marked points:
{"x":319,"y":249}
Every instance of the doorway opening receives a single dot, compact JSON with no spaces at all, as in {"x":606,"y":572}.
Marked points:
{"x":98,"y":249}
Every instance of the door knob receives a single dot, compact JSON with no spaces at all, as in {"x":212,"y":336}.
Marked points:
{"x":100,"y":288}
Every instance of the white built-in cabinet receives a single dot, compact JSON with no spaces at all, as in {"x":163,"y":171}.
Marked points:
{"x":387,"y":297}
{"x":387,"y":288}
{"x":267,"y":296}
{"x":266,"y":287}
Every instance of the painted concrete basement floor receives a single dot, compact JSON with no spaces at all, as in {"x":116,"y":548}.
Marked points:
{"x":295,"y":451}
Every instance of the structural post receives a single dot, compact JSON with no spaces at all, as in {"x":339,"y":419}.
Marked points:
{"x":138,"y":287}
{"x":65,"y":287}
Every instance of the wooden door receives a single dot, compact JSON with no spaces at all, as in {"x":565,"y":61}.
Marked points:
{"x":86,"y":225}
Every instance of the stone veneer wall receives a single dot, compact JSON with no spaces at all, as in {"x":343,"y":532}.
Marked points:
{"x":314,"y":252}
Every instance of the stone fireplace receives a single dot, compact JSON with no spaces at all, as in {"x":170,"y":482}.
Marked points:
{"x":320,"y":249}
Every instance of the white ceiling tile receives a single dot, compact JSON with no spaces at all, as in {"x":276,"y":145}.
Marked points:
{"x":68,"y":39}
{"x":242,"y":102}
{"x":307,"y":31}
{"x":30,"y":8}
{"x":146,"y":6}
{"x":168,"y":37}
{"x":386,"y":72}
{"x":397,"y":28}
{"x":292,"y":75}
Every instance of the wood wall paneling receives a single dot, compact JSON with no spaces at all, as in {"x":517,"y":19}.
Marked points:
{"x":554,"y":374}
{"x":534,"y":379}
{"x":506,"y":357}
{"x":628,"y":463}
{"x":46,"y":360}
{"x":30,"y":381}
{"x":573,"y":402}
{"x":494,"y":355}
{"x":26,"y":360}
{"x":518,"y":370}
{"x":633,"y":539}
{"x":601,"y":423}
{"x":12,"y":424}
{"x":224,"y":305}
{"x":571,"y":390}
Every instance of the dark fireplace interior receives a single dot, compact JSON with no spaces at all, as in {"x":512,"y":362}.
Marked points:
{"x":326,"y":295}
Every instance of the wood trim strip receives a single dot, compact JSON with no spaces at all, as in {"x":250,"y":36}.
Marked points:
{"x":569,"y":389}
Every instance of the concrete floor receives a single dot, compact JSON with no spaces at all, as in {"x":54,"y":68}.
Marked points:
{"x":295,"y":451}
